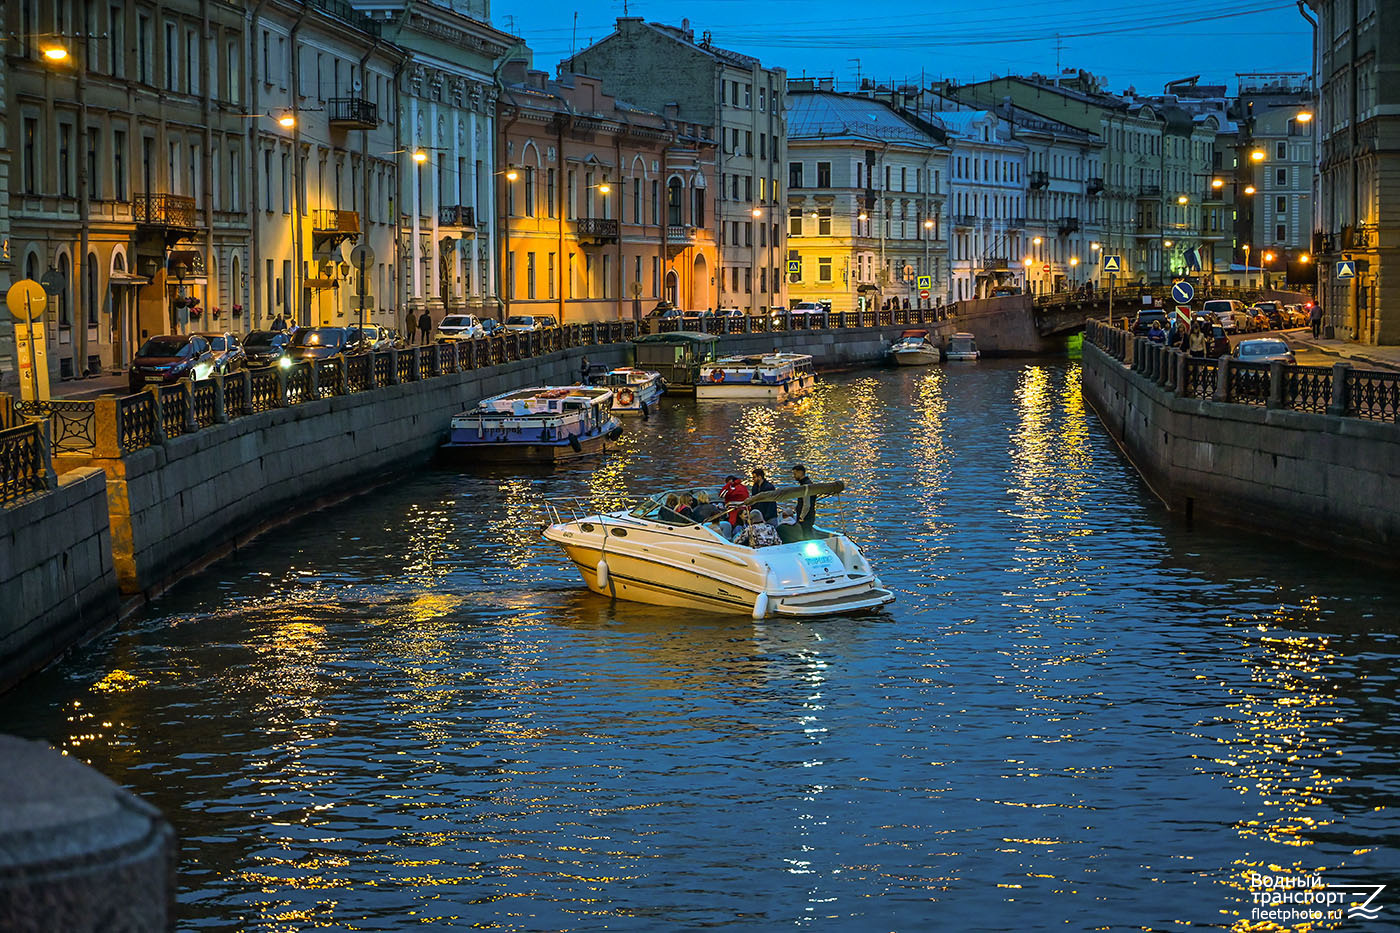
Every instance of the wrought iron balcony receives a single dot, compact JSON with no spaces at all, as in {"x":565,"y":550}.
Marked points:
{"x":456,"y":215}
{"x":597,"y":229}
{"x":1068,"y":225}
{"x":1039,"y":179}
{"x":354,"y":113}
{"x":1149,"y":192}
{"x":1093,"y":184}
{"x":1016,"y":223}
{"x":1360,"y":236}
{"x":165,"y":210}
{"x":1148,"y":228}
{"x":964,"y":220}
{"x":679,"y":233}
{"x":331,"y":227}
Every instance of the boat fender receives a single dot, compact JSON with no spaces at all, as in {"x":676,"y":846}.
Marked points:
{"x":573,"y":442}
{"x":760,"y":606}
{"x":646,"y":412}
{"x":615,"y":433}
{"x":603,"y":575}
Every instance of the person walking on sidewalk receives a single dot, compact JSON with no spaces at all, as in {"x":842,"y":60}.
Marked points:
{"x":410,"y":327}
{"x":1315,"y":319}
{"x":425,"y":326}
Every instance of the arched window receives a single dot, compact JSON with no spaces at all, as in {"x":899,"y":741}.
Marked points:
{"x":673,"y":202}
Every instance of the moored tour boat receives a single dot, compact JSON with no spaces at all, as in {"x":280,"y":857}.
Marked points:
{"x":914,"y":348}
{"x":961,"y":347}
{"x":644,"y":554}
{"x":635,"y":391}
{"x":538,"y":425}
{"x":772,"y":376}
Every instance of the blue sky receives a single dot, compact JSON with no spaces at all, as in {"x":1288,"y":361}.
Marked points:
{"x":1143,"y":45}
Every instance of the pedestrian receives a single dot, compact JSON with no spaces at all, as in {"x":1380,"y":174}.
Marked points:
{"x":807,"y":507}
{"x":1197,"y":340}
{"x":769,"y":510}
{"x":583,"y":372}
{"x":1315,"y":319}
{"x":278,"y":324}
{"x":1156,"y":334}
{"x":425,"y":326}
{"x":410,"y":325}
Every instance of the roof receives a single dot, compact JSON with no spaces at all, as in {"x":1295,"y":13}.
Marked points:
{"x":829,"y":115}
{"x":724,"y":55}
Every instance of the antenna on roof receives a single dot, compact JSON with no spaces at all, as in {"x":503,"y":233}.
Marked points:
{"x":857,"y":61}
{"x":1057,"y":59}
{"x":573,"y":41}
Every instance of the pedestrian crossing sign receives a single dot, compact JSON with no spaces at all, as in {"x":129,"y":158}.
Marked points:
{"x":1113,"y":264}
{"x":1346,"y":269}
{"x":794,"y":267}
{"x":925,"y":282}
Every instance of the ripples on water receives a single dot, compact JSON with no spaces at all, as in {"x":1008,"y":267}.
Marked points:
{"x":407,"y":711}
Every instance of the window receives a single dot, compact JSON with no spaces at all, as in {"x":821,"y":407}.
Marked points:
{"x":1281,"y":149}
{"x":530,"y":203}
{"x":823,"y":174}
{"x":65,"y":161}
{"x":31,"y":155}
{"x":697,"y":207}
{"x":607,"y":276}
{"x":571,"y":205}
{"x":234,"y":62}
{"x":116,"y":41}
{"x":119,"y":164}
{"x":656,"y":202}
{"x":529,"y":275}
{"x":588,"y":275}
{"x":1281,"y":178}
{"x":510,"y":274}
{"x":172,"y":52}
{"x":824,"y":221}
{"x":191,"y":61}
{"x":550,"y":194}
{"x":748,"y":96}
{"x":549,"y":273}
{"x":143,"y":49}
{"x":763,"y":145}
{"x":762,"y":99}
{"x":823,"y":268}
{"x":637,"y":209}
{"x":1280,"y":205}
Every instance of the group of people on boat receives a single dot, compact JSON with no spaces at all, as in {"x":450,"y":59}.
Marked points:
{"x":762,"y":525}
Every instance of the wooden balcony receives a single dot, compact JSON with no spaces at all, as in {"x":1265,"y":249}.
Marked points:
{"x":329,"y":228}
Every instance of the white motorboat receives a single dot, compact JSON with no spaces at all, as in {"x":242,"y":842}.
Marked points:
{"x":648,"y":554}
{"x":539,"y":425}
{"x":772,"y":376}
{"x":961,"y":347}
{"x":635,"y":391}
{"x":914,"y":348}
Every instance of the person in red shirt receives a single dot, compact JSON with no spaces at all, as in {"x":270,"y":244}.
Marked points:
{"x":733,"y":492}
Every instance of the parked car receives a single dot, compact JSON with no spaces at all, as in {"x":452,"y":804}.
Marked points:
{"x":697,"y":318}
{"x":1217,"y":343}
{"x":168,"y":358}
{"x":459,"y":327}
{"x":316,"y":343}
{"x":1297,"y":316}
{"x":1264,"y":350}
{"x":1272,"y":311}
{"x":1142,"y":324}
{"x":266,"y":347}
{"x":229,"y":355}
{"x":1228,"y":312}
{"x":662,"y":309}
{"x":490,"y":325}
{"x":529,"y":322}
{"x":365,"y":338}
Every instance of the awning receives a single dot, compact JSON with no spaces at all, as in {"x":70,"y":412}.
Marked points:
{"x":788,"y":493}
{"x":127,"y":278}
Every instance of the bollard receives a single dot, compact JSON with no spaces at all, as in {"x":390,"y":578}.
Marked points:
{"x":220,"y":409}
{"x":1222,"y":380}
{"x":191,"y":423}
{"x":372,"y":376}
{"x":1275,"y":385}
{"x":1173,"y":362}
{"x":107,"y":443}
{"x":281,"y":398}
{"x":1341,"y":392}
{"x":342,"y":377}
{"x":157,"y":414}
{"x":313,"y":381}
{"x":247,"y":379}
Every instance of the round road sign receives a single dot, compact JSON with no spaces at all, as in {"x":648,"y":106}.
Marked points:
{"x":923,"y":293}
{"x":1045,"y":268}
{"x":1183,"y":292}
{"x":26,"y":300}
{"x":362,"y":255}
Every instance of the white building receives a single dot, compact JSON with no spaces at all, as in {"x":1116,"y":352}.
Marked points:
{"x":989,"y":239}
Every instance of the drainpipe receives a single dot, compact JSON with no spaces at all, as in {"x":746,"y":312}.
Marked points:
{"x":211,"y":263}
{"x":398,"y":194}
{"x":617,"y":148}
{"x":255,"y":251}
{"x":84,"y":208}
{"x":303,"y":309}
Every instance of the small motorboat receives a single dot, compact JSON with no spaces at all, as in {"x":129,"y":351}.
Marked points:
{"x":961,"y":347}
{"x":538,"y":425}
{"x":635,"y":391}
{"x":772,"y":376}
{"x":649,"y":554}
{"x":914,"y":348}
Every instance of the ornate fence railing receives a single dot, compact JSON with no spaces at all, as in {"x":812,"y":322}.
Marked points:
{"x":153,"y":416}
{"x":1338,"y":389}
{"x":22,"y":466}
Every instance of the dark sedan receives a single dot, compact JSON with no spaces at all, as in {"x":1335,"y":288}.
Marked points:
{"x":266,"y":347}
{"x":229,"y":355}
{"x":317,"y":343}
{"x":168,"y":358}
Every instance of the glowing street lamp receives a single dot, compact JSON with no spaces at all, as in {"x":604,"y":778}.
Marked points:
{"x":1304,"y":116}
{"x":757,"y":212}
{"x":420,"y":157}
{"x":1095,"y":247}
{"x":56,"y":53}
{"x":1248,"y":189}
{"x":286,"y":121}
{"x":512,"y":174}
{"x":1305,"y":258}
{"x":1182,"y":199}
{"x":1257,"y":155}
{"x":928,"y":224}
{"x":1167,"y":244}
{"x":1217,"y":183}
{"x":1035,"y":240}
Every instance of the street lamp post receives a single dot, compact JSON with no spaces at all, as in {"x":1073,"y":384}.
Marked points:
{"x":928,"y":233}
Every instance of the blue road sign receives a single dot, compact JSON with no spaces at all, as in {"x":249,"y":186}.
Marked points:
{"x":794,"y":267}
{"x":1183,"y":292}
{"x":1113,"y":264}
{"x":1346,"y":269}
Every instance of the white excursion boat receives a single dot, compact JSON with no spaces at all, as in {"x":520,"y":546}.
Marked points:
{"x":914,"y":348}
{"x":635,"y":391}
{"x":539,"y":425}
{"x":772,"y":376}
{"x":961,"y":347}
{"x":648,"y":554}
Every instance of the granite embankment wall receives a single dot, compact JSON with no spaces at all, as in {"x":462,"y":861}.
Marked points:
{"x":57,"y":582}
{"x":171,"y":507}
{"x":1324,"y":480}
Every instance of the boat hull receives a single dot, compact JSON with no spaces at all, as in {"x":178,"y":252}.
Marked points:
{"x":914,"y":357}
{"x":648,"y":397}
{"x":522,"y":452}
{"x":773,"y":392}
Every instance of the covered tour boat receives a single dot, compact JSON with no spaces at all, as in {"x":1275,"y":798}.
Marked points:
{"x":649,"y":554}
{"x":773,"y":376}
{"x":538,"y":425}
{"x":914,"y":348}
{"x":635,"y":391}
{"x":961,"y":347}
{"x":677,"y":356}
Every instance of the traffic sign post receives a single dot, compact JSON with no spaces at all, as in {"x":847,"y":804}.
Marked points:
{"x":362,"y":256}
{"x":1346,"y":269}
{"x":1112,"y":264}
{"x":794,"y":267}
{"x":26,"y":300}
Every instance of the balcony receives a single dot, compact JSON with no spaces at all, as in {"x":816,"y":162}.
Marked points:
{"x":328,"y":228}
{"x":597,"y":230}
{"x":996,"y":264}
{"x":1068,"y":225}
{"x":1148,"y":228}
{"x":172,"y":217}
{"x":1149,"y":192}
{"x":457,"y":215}
{"x":1039,"y":179}
{"x":353,"y":113}
{"x":1324,"y":244}
{"x":964,"y":220}
{"x":1093,"y":185}
{"x":1214,"y":194}
{"x":1016,"y":223}
{"x":1361,"y":236}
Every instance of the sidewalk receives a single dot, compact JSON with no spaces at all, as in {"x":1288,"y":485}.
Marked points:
{"x":1358,"y":353}
{"x":89,"y":388}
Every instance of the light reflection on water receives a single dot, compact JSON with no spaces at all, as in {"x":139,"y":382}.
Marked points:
{"x":408,"y":711}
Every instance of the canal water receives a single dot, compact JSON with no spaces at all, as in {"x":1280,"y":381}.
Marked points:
{"x":406,"y":711}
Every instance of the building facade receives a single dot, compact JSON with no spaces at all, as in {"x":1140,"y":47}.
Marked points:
{"x":989,"y":237}
{"x":741,"y":102}
{"x":606,"y":207}
{"x":866,"y":202}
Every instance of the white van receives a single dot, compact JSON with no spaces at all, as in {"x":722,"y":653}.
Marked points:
{"x":1230,"y":313}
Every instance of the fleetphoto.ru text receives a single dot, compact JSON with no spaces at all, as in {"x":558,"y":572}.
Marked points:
{"x":1287,"y":898}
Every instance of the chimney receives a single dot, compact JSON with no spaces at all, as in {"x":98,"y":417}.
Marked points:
{"x":514,"y":71}
{"x":629,"y":25}
{"x":826,"y":84}
{"x":687,"y":31}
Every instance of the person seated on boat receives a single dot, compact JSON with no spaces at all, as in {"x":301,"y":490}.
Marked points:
{"x":757,"y":533}
{"x":703,"y":510}
{"x":670,"y":511}
{"x":733,"y":492}
{"x":786,"y":524}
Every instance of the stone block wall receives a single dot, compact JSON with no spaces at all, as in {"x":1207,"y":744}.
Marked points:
{"x":1315,"y":479}
{"x":58,"y":586}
